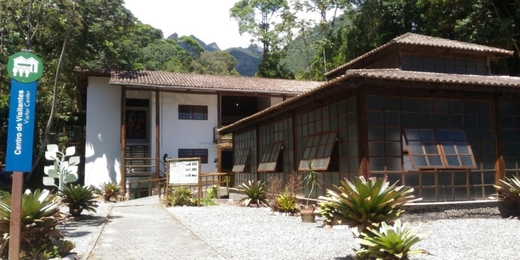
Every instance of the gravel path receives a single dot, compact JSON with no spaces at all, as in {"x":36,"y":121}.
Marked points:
{"x":255,"y":233}
{"x":84,"y":231}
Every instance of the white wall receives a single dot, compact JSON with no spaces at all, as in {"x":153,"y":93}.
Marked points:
{"x":102,"y":151}
{"x":186,"y":134}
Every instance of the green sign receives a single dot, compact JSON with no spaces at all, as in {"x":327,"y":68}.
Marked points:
{"x":25,"y":67}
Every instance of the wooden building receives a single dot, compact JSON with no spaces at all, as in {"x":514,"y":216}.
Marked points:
{"x":421,"y":110}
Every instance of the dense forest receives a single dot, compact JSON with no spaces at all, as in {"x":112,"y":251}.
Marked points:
{"x":101,"y":35}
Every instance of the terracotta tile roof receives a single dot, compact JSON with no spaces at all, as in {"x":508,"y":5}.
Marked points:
{"x":416,"y":76}
{"x":210,"y":82}
{"x":388,"y":75}
{"x":429,"y":41}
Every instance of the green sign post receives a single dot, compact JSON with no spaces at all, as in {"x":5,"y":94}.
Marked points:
{"x":25,"y":69}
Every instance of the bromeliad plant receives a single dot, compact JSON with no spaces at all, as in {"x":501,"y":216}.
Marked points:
{"x":363,"y":203}
{"x":78,"y":198}
{"x":389,"y":242}
{"x":110,"y":190}
{"x":39,"y":217}
{"x":286,"y":202}
{"x":255,"y":191}
{"x":180,"y":196}
{"x":509,"y":189}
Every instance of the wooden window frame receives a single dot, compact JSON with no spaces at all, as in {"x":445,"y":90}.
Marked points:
{"x":194,"y":153}
{"x":241,"y":160}
{"x":191,"y":112}
{"x":444,"y":148}
{"x":318,"y":150}
{"x":270,"y":157}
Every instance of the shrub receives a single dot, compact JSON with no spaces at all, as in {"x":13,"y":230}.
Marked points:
{"x":110,"y":190}
{"x":180,"y":196}
{"x":294,"y":183}
{"x":255,"y":191}
{"x":40,"y":215}
{"x":273,"y":190}
{"x":389,"y":242}
{"x":212,"y":192}
{"x":78,"y":198}
{"x":362,"y":203}
{"x":286,"y":202}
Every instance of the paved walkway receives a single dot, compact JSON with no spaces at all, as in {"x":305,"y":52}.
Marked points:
{"x":143,"y":229}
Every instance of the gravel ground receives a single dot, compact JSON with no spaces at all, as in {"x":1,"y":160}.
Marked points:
{"x":255,"y":233}
{"x":84,"y":231}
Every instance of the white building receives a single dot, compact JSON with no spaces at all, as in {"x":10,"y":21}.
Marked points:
{"x":148,"y":114}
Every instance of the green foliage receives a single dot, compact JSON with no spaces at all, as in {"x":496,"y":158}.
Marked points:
{"x":207,"y":202}
{"x":509,"y":189}
{"x":310,"y":179}
{"x":180,"y":196}
{"x":363,"y":203}
{"x":214,"y":63}
{"x":247,"y":60}
{"x":110,"y":190}
{"x":256,"y":192}
{"x":39,"y":217}
{"x":212,"y":192}
{"x":78,"y":198}
{"x":389,"y":242}
{"x":286,"y":202}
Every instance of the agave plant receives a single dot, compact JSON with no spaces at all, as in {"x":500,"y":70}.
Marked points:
{"x":78,"y":198}
{"x":509,"y":189}
{"x":389,"y":242}
{"x":39,"y":217}
{"x":110,"y":190}
{"x":362,"y":203}
{"x":256,"y":192}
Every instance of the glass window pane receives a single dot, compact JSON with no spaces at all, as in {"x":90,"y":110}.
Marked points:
{"x":392,"y":118}
{"x":431,"y":148}
{"x":452,"y":160}
{"x":376,"y":149}
{"x":428,"y":179}
{"x":377,"y":164}
{"x":408,"y":104}
{"x":375,"y":118}
{"x":412,"y":134}
{"x":462,"y":148}
{"x":407,"y":164}
{"x":416,"y":147}
{"x":393,"y":149}
{"x":419,"y":161}
{"x":375,"y":133}
{"x":435,"y":160}
{"x":425,"y":119}
{"x":393,"y":133}
{"x":448,"y":148}
{"x":409,"y":118}
{"x":375,"y":102}
{"x":466,"y":160}
{"x":393,"y":163}
{"x":458,"y":135}
{"x":444,"y":135}
{"x":427,"y":134}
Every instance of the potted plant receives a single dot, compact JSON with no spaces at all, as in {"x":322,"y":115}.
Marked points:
{"x":508,"y":191}
{"x":311,"y":180}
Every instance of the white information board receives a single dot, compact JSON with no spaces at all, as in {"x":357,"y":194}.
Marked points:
{"x":183,"y":170}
